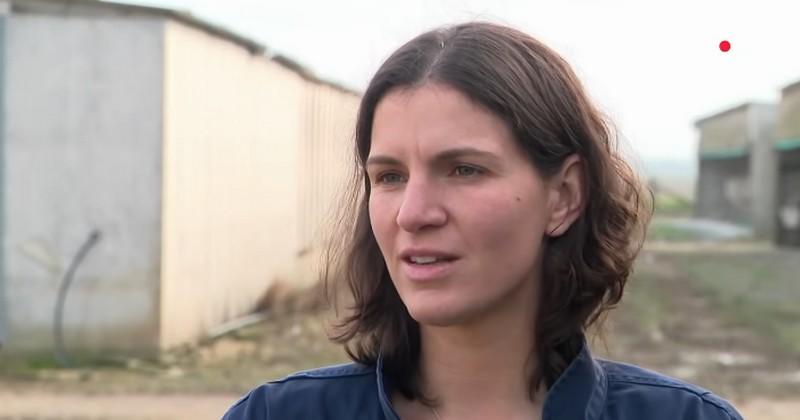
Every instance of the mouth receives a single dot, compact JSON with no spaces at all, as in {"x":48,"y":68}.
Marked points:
{"x":428,"y":269}
{"x":428,"y":260}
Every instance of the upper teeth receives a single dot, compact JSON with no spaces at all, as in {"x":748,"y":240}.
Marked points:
{"x":423,"y":260}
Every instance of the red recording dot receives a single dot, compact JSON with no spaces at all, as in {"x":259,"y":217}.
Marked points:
{"x":724,"y":46}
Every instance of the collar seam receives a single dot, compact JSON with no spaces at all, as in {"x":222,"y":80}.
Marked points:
{"x":302,"y":376}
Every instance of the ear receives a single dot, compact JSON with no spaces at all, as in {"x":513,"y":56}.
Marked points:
{"x":566,"y":196}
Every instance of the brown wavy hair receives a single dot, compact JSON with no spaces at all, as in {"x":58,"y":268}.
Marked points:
{"x":537,"y":94}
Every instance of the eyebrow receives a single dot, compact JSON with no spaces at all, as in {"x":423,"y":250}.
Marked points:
{"x":446,"y":155}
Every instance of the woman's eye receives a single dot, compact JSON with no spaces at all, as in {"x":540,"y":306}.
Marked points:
{"x":388,"y":178}
{"x":465,"y":170}
{"x":460,"y":170}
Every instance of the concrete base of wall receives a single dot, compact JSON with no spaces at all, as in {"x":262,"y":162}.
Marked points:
{"x":133,"y":340}
{"x":722,"y":190}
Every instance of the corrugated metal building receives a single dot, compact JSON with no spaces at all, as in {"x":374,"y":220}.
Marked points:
{"x":787,"y":145}
{"x":737,"y":167}
{"x":205,"y":165}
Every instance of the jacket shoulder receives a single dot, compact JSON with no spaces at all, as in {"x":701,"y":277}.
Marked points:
{"x":344,"y":370}
{"x":326,"y":392}
{"x":634,"y":390}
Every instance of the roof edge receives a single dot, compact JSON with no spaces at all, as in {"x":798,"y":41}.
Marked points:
{"x":307,"y":74}
{"x":36,"y":6}
{"x":187,"y":18}
{"x":790,"y":87}
{"x":728,"y":111}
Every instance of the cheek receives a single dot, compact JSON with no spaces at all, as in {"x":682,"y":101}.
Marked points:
{"x":507,"y":226}
{"x":381,"y":219}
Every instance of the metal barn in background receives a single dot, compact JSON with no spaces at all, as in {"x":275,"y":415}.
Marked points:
{"x":206,"y":164}
{"x":737,"y":174}
{"x":787,"y":145}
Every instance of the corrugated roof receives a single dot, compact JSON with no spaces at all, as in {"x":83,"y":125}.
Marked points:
{"x":307,"y":74}
{"x":727,"y":111}
{"x":791,"y":87}
{"x":95,"y":7}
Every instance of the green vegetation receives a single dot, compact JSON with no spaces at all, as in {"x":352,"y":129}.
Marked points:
{"x":660,"y":230}
{"x":668,"y":204}
{"x":235,"y":363}
{"x":645,"y":300}
{"x":759,"y":290}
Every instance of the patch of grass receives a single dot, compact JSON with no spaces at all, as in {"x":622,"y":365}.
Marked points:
{"x":235,"y":363}
{"x":644,"y":299}
{"x":26,"y":367}
{"x":760,"y":290}
{"x":663,"y":231}
{"x":672,"y":205}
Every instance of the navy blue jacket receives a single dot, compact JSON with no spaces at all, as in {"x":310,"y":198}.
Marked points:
{"x":591,"y":389}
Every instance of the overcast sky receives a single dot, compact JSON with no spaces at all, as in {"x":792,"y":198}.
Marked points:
{"x":653,"y":69}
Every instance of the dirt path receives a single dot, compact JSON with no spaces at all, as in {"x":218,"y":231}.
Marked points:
{"x":43,"y":405}
{"x":767,"y":409}
{"x":681,"y":334}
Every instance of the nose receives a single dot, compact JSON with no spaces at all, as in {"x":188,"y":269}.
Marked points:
{"x":421,"y":206}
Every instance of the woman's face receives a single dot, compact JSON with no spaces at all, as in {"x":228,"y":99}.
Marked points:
{"x":449,"y":181}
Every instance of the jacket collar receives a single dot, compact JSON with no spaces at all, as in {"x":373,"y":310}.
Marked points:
{"x":579,"y":393}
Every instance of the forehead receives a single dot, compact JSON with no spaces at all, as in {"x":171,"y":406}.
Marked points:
{"x":434,"y":116}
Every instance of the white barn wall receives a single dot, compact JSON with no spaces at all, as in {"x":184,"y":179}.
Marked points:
{"x":233,"y":121}
{"x":83,"y":151}
{"x":98,"y":107}
{"x":325,"y":163}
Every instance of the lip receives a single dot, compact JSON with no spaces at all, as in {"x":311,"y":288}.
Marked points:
{"x":426,"y":273}
{"x":425,"y":252}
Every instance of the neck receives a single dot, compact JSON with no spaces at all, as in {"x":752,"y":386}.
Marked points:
{"x":482,"y":370}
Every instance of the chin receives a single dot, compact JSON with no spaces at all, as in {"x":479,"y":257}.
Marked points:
{"x":435,"y":314}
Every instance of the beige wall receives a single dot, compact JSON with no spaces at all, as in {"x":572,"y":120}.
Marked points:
{"x":252,"y":152}
{"x":724,"y":132}
{"x":324,"y":162}
{"x":789,"y":115}
{"x":232,"y":121}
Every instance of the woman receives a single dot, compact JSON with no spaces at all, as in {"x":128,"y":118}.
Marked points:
{"x":494,"y":224}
